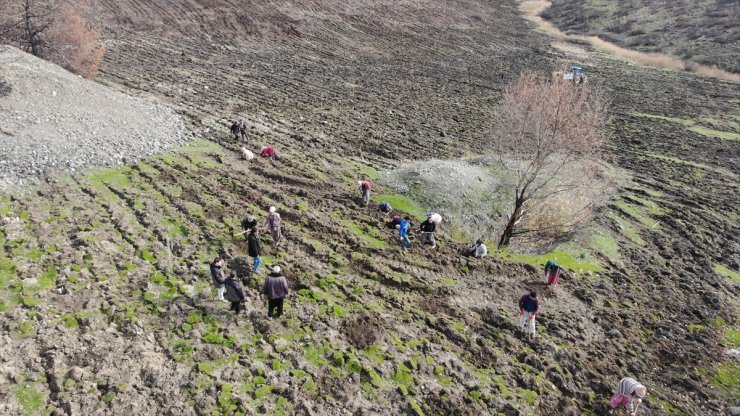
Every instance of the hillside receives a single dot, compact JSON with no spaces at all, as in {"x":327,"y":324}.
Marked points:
{"x":702,"y":31}
{"x":54,"y":122}
{"x":104,"y":283}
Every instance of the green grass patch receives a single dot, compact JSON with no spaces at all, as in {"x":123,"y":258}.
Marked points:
{"x":684,"y":121}
{"x":119,"y":177}
{"x":415,"y":407}
{"x":316,"y":355}
{"x":108,"y":397}
{"x":697,"y":165}
{"x":528,"y":396}
{"x":403,"y":204}
{"x":649,"y":205}
{"x":580,"y":262}
{"x":637,"y":212}
{"x":262,"y":392}
{"x":7,"y":271}
{"x":70,"y":321}
{"x":725,"y":377}
{"x":374,"y":354}
{"x":626,"y":228}
{"x":25,"y":329}
{"x":725,"y":135}
{"x":723,"y":270}
{"x":194,"y":210}
{"x":695,"y":328}
{"x":146,"y":254}
{"x":197,"y":149}
{"x":31,"y":400}
{"x":357,"y":170}
{"x":604,"y":243}
{"x":366,"y":234}
{"x":732,"y":338}
{"x":48,"y":279}
{"x":403,"y":377}
{"x":206,"y":368}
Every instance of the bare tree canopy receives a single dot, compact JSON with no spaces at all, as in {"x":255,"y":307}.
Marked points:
{"x":57,"y":30}
{"x":546,"y":129}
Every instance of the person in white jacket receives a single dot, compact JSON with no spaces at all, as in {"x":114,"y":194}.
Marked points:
{"x":479,"y":250}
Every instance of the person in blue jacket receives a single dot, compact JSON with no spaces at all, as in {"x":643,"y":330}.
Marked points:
{"x":403,"y":231}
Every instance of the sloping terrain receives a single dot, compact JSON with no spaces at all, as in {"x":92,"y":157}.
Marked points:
{"x":56,"y":121}
{"x":104,"y":280}
{"x":702,"y":31}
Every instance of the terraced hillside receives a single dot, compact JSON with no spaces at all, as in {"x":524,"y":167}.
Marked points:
{"x":702,"y":31}
{"x":104,"y":278}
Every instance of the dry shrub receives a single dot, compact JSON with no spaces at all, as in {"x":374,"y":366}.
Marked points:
{"x":76,"y":40}
{"x":559,"y":214}
{"x":547,"y":128}
{"x":58,"y":30}
{"x":690,"y":66}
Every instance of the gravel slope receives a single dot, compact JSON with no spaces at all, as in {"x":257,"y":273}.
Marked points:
{"x":53,"y":120}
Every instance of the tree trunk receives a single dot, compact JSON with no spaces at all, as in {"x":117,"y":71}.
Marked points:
{"x":513,"y":220}
{"x":32,"y":40}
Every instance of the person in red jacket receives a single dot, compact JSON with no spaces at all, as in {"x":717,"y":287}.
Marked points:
{"x":365,"y":186}
{"x":528,"y":307}
{"x":268,"y":151}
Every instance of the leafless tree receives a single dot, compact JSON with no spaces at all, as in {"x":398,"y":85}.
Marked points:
{"x":546,"y":129}
{"x":57,"y":30}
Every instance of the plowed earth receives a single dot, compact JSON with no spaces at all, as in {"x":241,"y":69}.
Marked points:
{"x":108,"y":307}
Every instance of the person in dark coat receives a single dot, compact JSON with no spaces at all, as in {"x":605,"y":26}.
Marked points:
{"x":235,"y":130}
{"x":254,"y":249}
{"x":234,"y":293}
{"x":528,"y":308}
{"x":428,"y":228}
{"x":249,"y":222}
{"x":275,"y":288}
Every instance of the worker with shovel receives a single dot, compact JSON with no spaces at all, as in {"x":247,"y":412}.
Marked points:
{"x":254,"y":249}
{"x":248,"y":222}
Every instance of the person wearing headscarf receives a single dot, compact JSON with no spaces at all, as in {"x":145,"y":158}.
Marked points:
{"x":275,"y":288}
{"x":273,"y":224}
{"x":629,"y":393}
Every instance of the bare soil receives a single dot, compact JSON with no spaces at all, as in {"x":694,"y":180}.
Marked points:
{"x":104,"y":278}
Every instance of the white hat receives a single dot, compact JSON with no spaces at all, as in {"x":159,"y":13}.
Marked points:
{"x":273,"y":209}
{"x":276,"y":269}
